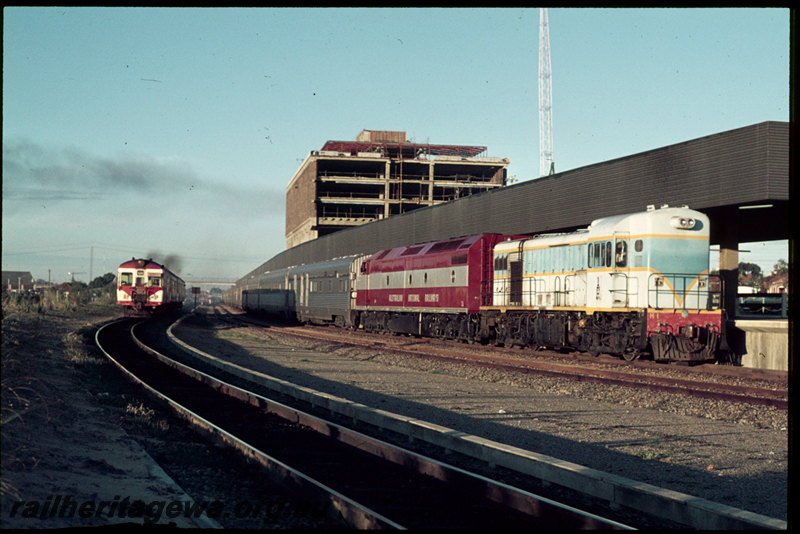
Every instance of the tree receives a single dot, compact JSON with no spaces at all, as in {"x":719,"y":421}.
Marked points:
{"x":751,"y":269}
{"x":750,"y":275}
{"x":781,"y":267}
{"x":102,"y":281}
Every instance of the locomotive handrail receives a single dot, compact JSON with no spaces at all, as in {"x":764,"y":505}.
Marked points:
{"x":624,"y":291}
{"x":681,"y":290}
{"x":531,"y":289}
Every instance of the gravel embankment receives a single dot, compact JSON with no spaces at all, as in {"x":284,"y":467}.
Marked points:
{"x":724,"y":452}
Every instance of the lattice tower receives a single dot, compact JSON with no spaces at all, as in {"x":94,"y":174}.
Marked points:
{"x":546,"y":161}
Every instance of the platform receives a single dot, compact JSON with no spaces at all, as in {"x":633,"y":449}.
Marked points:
{"x":760,"y":343}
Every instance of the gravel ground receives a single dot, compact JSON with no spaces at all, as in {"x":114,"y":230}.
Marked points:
{"x":76,"y":433}
{"x":724,"y":452}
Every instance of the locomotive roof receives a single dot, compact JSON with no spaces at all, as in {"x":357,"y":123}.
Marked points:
{"x":140,"y":263}
{"x":652,"y":218}
{"x":431,"y":247}
{"x":639,"y":216}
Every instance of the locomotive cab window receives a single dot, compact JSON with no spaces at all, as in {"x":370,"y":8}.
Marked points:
{"x":621,"y":254}
{"x":155,"y":281}
{"x":125,"y":279}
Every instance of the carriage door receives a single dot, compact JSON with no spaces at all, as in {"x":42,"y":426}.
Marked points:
{"x":297,"y":292}
{"x":620,"y":270}
{"x":515,"y":277}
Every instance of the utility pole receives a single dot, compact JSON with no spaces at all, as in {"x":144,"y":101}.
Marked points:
{"x":547,"y":164}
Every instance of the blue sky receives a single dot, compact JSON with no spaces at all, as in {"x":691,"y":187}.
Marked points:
{"x":172,"y":132}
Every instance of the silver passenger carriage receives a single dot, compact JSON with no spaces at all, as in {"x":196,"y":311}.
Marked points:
{"x":323,"y":292}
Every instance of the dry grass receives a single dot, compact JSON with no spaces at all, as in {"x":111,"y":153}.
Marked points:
{"x":33,"y":337}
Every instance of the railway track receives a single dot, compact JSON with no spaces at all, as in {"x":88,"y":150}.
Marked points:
{"x":696,"y":387}
{"x":367,"y":482}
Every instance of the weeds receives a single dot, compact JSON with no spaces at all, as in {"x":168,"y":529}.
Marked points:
{"x":33,"y":341}
{"x":141,"y":415}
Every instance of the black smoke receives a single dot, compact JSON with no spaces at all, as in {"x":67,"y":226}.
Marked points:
{"x":171,"y":261}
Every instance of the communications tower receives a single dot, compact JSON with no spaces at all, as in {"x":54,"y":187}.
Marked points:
{"x":546,"y":161}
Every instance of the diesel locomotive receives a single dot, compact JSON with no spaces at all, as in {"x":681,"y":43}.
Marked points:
{"x":626,"y":285}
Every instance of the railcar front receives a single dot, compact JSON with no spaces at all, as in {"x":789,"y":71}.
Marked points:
{"x":144,"y":286}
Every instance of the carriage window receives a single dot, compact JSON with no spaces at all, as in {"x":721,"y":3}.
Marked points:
{"x":125,"y":279}
{"x":155,"y":281}
{"x":638,"y":245}
{"x":608,"y":253}
{"x":452,"y":277}
{"x":621,"y":254}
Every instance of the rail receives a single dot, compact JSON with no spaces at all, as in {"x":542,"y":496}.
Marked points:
{"x":617,"y":491}
{"x":420,"y":492}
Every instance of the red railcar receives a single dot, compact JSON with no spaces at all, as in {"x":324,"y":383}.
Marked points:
{"x":144,"y":286}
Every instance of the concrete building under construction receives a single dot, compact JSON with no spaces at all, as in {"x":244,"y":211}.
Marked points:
{"x":380,"y":174}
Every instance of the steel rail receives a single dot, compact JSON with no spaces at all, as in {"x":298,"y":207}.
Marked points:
{"x":356,"y":514}
{"x":710,"y":390}
{"x":620,"y":492}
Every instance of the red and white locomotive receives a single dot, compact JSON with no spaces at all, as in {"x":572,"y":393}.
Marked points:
{"x":144,"y":286}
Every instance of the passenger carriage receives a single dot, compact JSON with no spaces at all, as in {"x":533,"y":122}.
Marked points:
{"x":322,"y":291}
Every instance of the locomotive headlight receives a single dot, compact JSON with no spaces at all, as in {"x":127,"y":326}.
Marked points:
{"x":684,"y":223}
